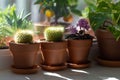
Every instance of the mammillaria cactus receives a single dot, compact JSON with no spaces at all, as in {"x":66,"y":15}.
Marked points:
{"x":54,"y":33}
{"x":23,"y":36}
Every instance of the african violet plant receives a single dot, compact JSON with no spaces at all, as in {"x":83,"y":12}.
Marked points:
{"x":79,"y":30}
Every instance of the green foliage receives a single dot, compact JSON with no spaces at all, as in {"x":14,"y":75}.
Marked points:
{"x":23,"y":36}
{"x":8,"y":10}
{"x":10,"y":22}
{"x":54,"y":33}
{"x":60,"y":7}
{"x":115,"y":31}
{"x":18,"y":21}
{"x":100,"y":11}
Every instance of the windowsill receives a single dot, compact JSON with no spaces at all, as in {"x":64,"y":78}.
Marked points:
{"x":95,"y":72}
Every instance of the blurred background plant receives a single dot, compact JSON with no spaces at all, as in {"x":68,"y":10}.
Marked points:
{"x":10,"y":22}
{"x":58,"y":9}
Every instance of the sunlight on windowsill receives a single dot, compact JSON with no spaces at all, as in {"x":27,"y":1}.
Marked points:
{"x":109,"y":78}
{"x":56,"y":75}
{"x":80,"y":71}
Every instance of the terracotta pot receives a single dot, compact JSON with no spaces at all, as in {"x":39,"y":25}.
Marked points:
{"x":54,"y":53}
{"x":109,"y":47}
{"x":24,"y":55}
{"x":79,"y":50}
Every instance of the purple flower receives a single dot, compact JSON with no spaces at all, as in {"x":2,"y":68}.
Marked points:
{"x":73,"y":30}
{"x":83,"y":23}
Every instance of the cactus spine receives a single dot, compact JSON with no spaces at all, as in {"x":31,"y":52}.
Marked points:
{"x":23,"y":36}
{"x":54,"y":33}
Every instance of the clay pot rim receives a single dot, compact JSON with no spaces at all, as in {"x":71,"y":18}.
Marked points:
{"x":79,"y":40}
{"x":102,"y":29}
{"x":12,"y":42}
{"x":45,"y":41}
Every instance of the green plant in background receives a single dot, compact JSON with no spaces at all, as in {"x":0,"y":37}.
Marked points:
{"x":23,"y":36}
{"x":2,"y":37}
{"x":54,"y":33}
{"x":105,"y":14}
{"x":18,"y":21}
{"x":14,"y":22}
{"x":10,"y":22}
{"x":9,"y":10}
{"x":59,"y":8}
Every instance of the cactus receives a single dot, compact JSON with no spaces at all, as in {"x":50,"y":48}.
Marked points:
{"x":23,"y":36}
{"x":54,"y":33}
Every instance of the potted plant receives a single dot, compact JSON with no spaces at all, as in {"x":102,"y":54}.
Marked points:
{"x":54,"y":49}
{"x":10,"y":21}
{"x":59,"y":9}
{"x":24,"y":51}
{"x":105,"y":20}
{"x":79,"y":44}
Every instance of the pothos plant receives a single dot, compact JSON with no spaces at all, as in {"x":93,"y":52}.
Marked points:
{"x":59,"y":8}
{"x":78,"y":31}
{"x":105,"y":14}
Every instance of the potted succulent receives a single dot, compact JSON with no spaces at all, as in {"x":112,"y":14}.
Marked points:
{"x":24,"y":50}
{"x":54,"y":49}
{"x":105,"y":20}
{"x":79,"y":44}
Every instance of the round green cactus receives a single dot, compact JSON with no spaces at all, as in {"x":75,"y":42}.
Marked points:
{"x":54,"y":33}
{"x":23,"y":36}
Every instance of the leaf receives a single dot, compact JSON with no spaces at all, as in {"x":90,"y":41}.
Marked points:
{"x":97,"y":19}
{"x":21,"y":14}
{"x":116,"y":7}
{"x":103,"y":6}
{"x":85,"y":12}
{"x":9,"y":21}
{"x":91,"y":4}
{"x":26,"y":16}
{"x":76,"y":11}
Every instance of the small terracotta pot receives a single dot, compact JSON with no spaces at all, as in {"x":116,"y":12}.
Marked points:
{"x":54,"y":53}
{"x":24,"y":55}
{"x":79,"y":50}
{"x":109,"y":47}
